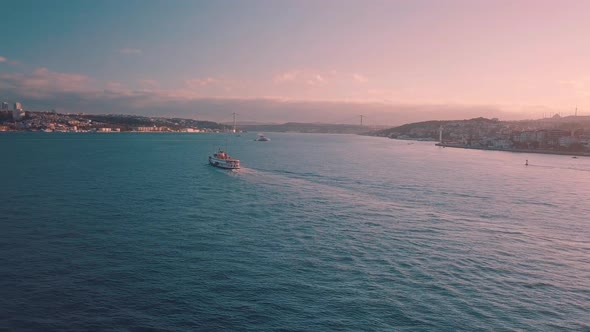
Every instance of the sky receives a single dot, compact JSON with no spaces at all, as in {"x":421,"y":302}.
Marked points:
{"x":307,"y":61}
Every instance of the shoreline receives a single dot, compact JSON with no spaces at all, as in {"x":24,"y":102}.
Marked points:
{"x":565,"y":153}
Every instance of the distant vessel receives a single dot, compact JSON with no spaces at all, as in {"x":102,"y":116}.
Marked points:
{"x":223,"y":160}
{"x":261,"y":138}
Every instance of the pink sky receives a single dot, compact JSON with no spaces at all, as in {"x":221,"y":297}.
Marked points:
{"x":513,"y":56}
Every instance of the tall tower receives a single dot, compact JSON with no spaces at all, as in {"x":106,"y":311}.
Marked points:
{"x":440,"y":132}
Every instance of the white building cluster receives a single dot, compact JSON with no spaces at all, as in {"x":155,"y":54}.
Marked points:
{"x":551,"y":138}
{"x":17,"y":112}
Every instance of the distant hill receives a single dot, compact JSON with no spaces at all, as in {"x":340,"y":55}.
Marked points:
{"x":307,"y":128}
{"x":128,"y":121}
{"x":430,"y":129}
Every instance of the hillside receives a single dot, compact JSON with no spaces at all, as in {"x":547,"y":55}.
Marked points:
{"x":128,"y":121}
{"x":479,"y":127}
{"x":307,"y":128}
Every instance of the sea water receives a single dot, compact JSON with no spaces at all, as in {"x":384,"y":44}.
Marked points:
{"x":135,"y":232}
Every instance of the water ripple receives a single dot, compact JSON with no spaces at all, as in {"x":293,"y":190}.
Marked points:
{"x":141,"y":234}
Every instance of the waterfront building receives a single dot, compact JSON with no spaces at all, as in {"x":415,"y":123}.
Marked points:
{"x":501,"y":143}
{"x":150,"y":129}
{"x":4,"y":106}
{"x":18,"y":114}
{"x":578,"y":132}
{"x":107,"y":129}
{"x":18,"y":106}
{"x":567,"y":141}
{"x":527,"y":136}
{"x":540,"y":135}
{"x":144,"y":129}
{"x":553,"y":136}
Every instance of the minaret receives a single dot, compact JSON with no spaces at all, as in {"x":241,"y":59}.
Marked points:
{"x":440,"y":132}
{"x":234,"y":129}
{"x":361,"y":119}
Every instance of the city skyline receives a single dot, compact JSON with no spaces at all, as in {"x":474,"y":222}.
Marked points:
{"x":298,"y":61}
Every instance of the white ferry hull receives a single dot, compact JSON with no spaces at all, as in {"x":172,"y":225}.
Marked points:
{"x":224,"y":163}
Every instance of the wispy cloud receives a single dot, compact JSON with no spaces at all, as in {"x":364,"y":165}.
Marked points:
{"x":580,"y":86}
{"x":287,"y":76}
{"x":318,"y":77}
{"x":200,"y":82}
{"x":302,"y":76}
{"x":149,"y":84}
{"x":115,"y":86}
{"x":212,"y":86}
{"x":44,"y":82}
{"x":360,"y":78}
{"x":186,"y":104}
{"x":43,"y":89}
{"x":316,"y":80}
{"x":3,"y":59}
{"x":130,"y":51}
{"x":576,"y":83}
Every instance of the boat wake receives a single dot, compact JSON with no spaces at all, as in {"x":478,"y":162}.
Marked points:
{"x":307,"y":188}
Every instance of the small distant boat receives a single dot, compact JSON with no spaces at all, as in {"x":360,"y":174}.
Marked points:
{"x":261,"y":138}
{"x":223,"y":160}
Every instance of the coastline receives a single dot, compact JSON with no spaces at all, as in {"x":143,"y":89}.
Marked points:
{"x":565,"y":153}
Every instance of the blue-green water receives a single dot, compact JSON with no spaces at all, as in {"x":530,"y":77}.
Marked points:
{"x":316,"y":233}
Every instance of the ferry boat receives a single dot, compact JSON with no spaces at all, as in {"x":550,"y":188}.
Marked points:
{"x":261,"y":138}
{"x":223,"y":160}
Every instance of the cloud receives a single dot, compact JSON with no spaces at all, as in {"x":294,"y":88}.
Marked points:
{"x":316,"y":79}
{"x":44,"y":82}
{"x":9,"y":61}
{"x":287,"y":76}
{"x":302,"y":76}
{"x":130,"y":51}
{"x":211,"y":86}
{"x":576,"y":84}
{"x":580,"y":86}
{"x":181,"y":104}
{"x":149,"y":84}
{"x":360,"y":78}
{"x":200,"y":82}
{"x":115,"y":86}
{"x":45,"y":89}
